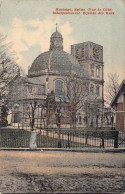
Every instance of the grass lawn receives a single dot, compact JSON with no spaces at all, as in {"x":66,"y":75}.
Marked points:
{"x":19,"y":138}
{"x":90,"y":133}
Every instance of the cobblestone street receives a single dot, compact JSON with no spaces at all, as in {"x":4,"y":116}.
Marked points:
{"x":61,"y":171}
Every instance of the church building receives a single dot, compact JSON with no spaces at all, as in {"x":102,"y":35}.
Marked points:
{"x":47,"y":75}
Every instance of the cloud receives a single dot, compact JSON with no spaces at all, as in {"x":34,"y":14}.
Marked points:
{"x":66,"y":30}
{"x":25,"y":34}
{"x":2,"y":30}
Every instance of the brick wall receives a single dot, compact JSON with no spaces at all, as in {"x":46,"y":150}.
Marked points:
{"x":119,"y":117}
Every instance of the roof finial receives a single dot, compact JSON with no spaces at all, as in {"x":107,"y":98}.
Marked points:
{"x":56,"y":27}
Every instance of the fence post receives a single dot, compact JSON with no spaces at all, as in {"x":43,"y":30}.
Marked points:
{"x":33,"y":145}
{"x":86,"y":138}
{"x":68,"y":140}
{"x":59,"y":140}
{"x":116,"y":139}
{"x":0,"y":139}
{"x":103,"y":139}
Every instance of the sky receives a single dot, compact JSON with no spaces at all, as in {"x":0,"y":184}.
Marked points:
{"x":28,"y":24}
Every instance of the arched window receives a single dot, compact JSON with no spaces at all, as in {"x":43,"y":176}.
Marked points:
{"x":92,"y":89}
{"x":59,"y":87}
{"x":97,"y":91}
{"x":80,"y":120}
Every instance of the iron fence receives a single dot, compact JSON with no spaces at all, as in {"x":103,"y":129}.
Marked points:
{"x":14,"y":138}
{"x":81,"y":138}
{"x":69,"y":138}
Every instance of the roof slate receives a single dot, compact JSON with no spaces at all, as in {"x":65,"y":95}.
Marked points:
{"x":56,"y":60}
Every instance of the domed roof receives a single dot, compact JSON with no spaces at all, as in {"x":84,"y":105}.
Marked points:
{"x":54,"y":61}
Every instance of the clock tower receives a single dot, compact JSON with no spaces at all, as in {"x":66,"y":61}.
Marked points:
{"x":90,"y":56}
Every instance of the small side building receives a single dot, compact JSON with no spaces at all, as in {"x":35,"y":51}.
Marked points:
{"x":118,"y":103}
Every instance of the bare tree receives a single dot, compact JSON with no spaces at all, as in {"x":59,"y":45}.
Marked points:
{"x":8,"y":65}
{"x":73,"y":99}
{"x":32,"y":108}
{"x":111,"y":87}
{"x":92,"y":112}
{"x":75,"y":94}
{"x":50,"y":107}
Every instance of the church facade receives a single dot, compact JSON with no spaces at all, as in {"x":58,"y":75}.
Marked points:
{"x":48,"y":73}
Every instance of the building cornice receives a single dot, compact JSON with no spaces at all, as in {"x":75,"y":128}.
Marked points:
{"x":97,"y":81}
{"x":88,"y":59}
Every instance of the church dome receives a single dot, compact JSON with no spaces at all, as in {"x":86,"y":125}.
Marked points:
{"x":55,"y":60}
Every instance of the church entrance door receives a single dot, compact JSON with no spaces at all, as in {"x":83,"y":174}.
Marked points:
{"x":17,"y":117}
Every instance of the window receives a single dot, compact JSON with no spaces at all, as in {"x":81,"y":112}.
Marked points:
{"x":97,"y":91}
{"x":39,"y":91}
{"x":92,"y":66}
{"x":30,"y":89}
{"x":97,"y":72}
{"x":83,"y":52}
{"x":18,"y":89}
{"x":92,"y":69}
{"x":92,"y":72}
{"x":80,"y":120}
{"x":92,"y":89}
{"x":62,"y":111}
{"x":24,"y":106}
{"x":59,"y":87}
{"x":77,"y":53}
{"x":39,"y":111}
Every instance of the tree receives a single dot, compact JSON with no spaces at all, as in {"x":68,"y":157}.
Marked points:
{"x":92,"y":111}
{"x":32,"y":107}
{"x":111,"y":87}
{"x":4,"y":114}
{"x":4,"y":111}
{"x":50,"y":107}
{"x":74,"y":98}
{"x":75,"y":95}
{"x":8,"y":65}
{"x":53,"y":108}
